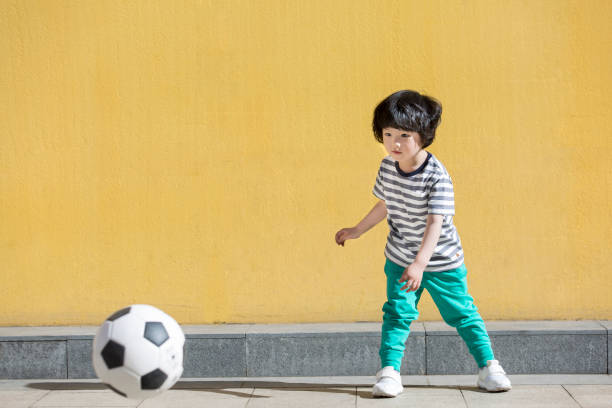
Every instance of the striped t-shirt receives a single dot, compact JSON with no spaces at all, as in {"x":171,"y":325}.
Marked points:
{"x":409,"y":198}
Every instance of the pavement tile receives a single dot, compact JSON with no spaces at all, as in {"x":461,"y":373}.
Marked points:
{"x":106,"y":398}
{"x":558,"y":379}
{"x":453,"y":380}
{"x":586,"y":391}
{"x":414,"y":396}
{"x":523,"y":396}
{"x":591,"y":396}
{"x":523,"y":379}
{"x":20,"y":398}
{"x":226,"y":398}
{"x":303,"y":397}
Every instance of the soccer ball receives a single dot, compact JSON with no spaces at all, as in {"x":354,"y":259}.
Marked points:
{"x":138,"y":352}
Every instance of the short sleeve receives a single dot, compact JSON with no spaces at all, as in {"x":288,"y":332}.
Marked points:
{"x":441,"y":197}
{"x":379,"y":190}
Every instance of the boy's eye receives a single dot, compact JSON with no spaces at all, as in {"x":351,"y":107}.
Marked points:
{"x":404,"y":135}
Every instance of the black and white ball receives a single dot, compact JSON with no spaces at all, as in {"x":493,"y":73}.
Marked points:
{"x":138,"y":351}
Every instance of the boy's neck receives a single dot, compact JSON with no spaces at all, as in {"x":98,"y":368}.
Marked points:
{"x":413,"y":163}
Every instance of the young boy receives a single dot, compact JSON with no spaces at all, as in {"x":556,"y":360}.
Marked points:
{"x":423,"y":248}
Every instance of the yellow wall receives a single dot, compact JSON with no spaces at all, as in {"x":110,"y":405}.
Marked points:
{"x":200,"y":155}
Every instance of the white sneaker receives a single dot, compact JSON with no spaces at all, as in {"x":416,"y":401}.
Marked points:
{"x":388,"y":383}
{"x":493,"y":377}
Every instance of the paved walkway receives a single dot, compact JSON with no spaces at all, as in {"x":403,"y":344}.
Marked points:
{"x":558,"y":391}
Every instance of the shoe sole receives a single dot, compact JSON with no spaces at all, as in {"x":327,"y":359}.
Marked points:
{"x":381,"y":394}
{"x":493,"y":389}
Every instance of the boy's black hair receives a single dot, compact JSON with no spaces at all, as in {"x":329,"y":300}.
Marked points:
{"x":408,"y":110}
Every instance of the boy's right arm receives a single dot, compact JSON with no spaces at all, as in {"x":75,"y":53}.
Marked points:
{"x":376,"y":215}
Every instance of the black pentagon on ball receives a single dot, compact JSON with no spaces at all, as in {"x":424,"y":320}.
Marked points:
{"x":119,"y":313}
{"x":155,"y":333}
{"x":112,"y":354}
{"x":153,"y":380}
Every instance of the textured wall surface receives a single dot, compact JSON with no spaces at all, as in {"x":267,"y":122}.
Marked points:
{"x":200,"y":155}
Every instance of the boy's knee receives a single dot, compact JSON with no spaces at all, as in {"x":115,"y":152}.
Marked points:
{"x":465,"y":320}
{"x":399,"y":311}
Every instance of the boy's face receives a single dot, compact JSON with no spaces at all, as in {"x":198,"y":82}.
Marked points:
{"x":401,"y":144}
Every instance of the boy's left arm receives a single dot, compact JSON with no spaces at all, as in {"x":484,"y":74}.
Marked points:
{"x":413,"y":275}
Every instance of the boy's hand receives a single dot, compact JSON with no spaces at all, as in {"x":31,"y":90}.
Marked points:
{"x":413,"y":275}
{"x":346,"y":233}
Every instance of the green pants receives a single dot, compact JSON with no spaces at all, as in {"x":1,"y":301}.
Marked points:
{"x":449,"y":291}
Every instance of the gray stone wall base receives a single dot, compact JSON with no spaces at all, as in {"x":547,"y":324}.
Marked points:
{"x":33,"y":359}
{"x":522,"y":347}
